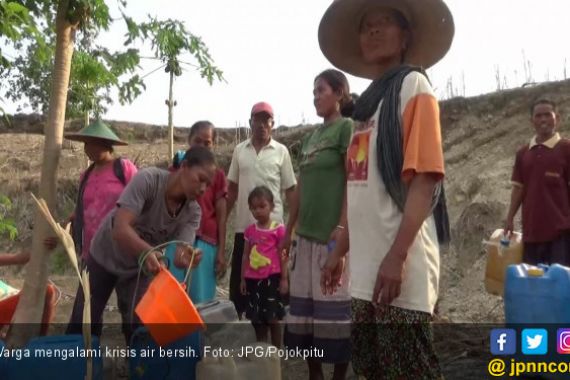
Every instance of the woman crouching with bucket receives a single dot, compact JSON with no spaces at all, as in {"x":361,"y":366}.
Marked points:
{"x":155,"y":208}
{"x":394,"y":176}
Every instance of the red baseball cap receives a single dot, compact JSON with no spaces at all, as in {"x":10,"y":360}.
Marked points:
{"x":262,"y":107}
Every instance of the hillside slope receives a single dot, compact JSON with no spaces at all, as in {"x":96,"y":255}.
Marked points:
{"x":481,"y":136}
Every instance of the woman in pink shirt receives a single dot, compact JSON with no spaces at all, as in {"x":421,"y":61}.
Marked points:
{"x":100,"y":185}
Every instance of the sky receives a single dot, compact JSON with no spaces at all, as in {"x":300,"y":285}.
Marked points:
{"x":269,"y":51}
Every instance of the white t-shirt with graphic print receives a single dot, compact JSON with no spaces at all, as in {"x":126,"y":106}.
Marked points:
{"x":374,"y":218}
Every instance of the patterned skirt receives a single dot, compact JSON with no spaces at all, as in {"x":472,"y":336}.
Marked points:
{"x":317,"y":321}
{"x":264,"y":300}
{"x":392,"y":343}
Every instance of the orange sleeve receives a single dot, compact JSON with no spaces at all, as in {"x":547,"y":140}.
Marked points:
{"x":423,"y":152}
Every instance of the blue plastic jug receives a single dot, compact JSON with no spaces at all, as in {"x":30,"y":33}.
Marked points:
{"x":170,"y":253}
{"x":36,"y":363}
{"x":177,"y":361}
{"x":537,"y":294}
{"x":3,"y":361}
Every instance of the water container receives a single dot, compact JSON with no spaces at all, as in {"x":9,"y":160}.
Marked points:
{"x":261,"y":363}
{"x":217,"y":311}
{"x":6,"y":290}
{"x":210,"y":368}
{"x":36,"y":364}
{"x":501,"y":254}
{"x":168,"y":318}
{"x":260,"y":367}
{"x":176,"y":361}
{"x":170,"y":253}
{"x":8,"y":308}
{"x":3,"y":361}
{"x":537,"y":294}
{"x":224,"y":329}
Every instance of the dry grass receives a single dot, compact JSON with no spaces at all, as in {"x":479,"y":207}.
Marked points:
{"x":20,"y":165}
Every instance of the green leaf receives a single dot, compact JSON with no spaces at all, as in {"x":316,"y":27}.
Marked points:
{"x":7,"y":225}
{"x":7,"y":228}
{"x":29,"y":26}
{"x":5,"y":201}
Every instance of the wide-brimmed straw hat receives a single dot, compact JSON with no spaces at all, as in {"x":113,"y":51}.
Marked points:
{"x":431,"y":25}
{"x":96,"y":131}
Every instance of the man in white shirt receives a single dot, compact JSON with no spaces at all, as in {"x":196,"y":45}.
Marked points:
{"x":257,"y":161}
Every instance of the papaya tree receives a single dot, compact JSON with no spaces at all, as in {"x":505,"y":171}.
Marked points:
{"x":70,"y":15}
{"x":95,"y":73}
{"x":16,"y":24}
{"x":72,"y":21}
{"x":170,"y":40}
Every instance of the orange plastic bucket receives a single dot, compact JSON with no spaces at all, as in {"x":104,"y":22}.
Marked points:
{"x":8,"y":308}
{"x":167,"y":311}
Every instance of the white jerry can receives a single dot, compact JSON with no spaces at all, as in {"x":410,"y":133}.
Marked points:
{"x":261,"y":363}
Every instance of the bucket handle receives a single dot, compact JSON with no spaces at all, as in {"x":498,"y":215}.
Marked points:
{"x":142,"y":259}
{"x":491,"y":243}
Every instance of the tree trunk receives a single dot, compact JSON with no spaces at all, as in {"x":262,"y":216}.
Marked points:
{"x":170,"y":125}
{"x":29,"y":312}
{"x":86,"y":122}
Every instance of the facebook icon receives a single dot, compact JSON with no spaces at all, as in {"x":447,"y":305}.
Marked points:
{"x":503,"y":342}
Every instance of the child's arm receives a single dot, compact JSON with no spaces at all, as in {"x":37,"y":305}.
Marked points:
{"x":15,"y":258}
{"x":284,"y":260}
{"x":245,"y":258}
{"x":284,"y":257}
{"x":244,"y":264}
{"x":284,"y":283}
{"x":221,"y":216}
{"x":24,"y":256}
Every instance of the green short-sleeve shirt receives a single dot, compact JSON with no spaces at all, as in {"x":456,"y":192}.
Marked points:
{"x":322,"y":177}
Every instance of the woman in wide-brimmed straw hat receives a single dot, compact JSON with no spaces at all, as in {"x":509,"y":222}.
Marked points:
{"x":396,"y":209}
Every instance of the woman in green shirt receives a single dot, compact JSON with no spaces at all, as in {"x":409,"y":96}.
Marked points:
{"x":316,"y":320}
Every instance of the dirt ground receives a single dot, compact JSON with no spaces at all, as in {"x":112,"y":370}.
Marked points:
{"x":459,"y":349}
{"x":111,"y":337}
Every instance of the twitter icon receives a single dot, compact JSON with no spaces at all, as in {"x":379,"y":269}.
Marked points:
{"x":534,"y":341}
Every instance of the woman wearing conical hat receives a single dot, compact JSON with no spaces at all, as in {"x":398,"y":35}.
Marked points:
{"x":100,"y":187}
{"x":101,"y":184}
{"x":396,"y":208}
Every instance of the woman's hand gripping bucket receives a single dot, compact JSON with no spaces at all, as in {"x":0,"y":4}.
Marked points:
{"x":166,"y":309}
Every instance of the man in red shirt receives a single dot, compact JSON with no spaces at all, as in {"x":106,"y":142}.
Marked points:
{"x":541,"y":183}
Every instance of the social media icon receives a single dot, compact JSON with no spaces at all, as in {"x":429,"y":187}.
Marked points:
{"x":563,"y":341}
{"x":503,"y":341}
{"x":534,"y":341}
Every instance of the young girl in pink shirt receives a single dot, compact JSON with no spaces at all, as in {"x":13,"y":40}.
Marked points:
{"x":264,"y":274}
